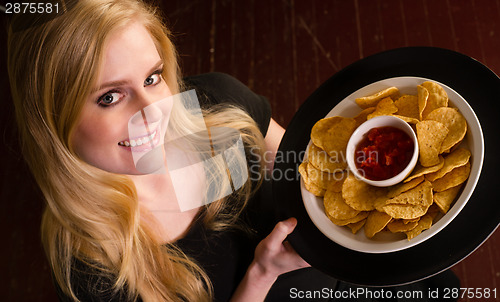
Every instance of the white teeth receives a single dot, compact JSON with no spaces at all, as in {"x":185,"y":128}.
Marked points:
{"x":138,"y":141}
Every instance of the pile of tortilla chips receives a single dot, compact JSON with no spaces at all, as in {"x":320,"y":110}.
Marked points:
{"x":411,"y":206}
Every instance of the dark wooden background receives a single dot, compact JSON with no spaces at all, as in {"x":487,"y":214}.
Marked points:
{"x":283,"y":50}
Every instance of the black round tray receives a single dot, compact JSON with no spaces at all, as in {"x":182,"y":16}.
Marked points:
{"x":480,"y":87}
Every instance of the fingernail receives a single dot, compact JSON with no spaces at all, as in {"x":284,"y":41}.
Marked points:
{"x":291,"y":222}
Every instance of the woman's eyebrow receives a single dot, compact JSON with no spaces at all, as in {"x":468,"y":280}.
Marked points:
{"x":157,"y":66}
{"x":123,"y":82}
{"x":110,"y":84}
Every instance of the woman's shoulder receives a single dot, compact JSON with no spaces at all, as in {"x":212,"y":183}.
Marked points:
{"x":215,"y":81}
{"x":217,"y":88}
{"x":221,"y":88}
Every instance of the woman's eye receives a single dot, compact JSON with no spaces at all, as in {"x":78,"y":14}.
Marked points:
{"x":110,"y":98}
{"x":153,"y":79}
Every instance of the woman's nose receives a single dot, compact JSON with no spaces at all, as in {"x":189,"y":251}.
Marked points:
{"x":148,"y":115}
{"x":149,"y":111}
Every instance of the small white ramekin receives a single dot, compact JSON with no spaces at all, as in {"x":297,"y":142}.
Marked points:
{"x":360,"y":133}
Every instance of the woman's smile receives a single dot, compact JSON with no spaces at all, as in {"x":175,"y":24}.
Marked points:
{"x":142,"y":143}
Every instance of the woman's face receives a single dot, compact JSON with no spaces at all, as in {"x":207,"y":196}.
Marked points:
{"x":129,"y":80}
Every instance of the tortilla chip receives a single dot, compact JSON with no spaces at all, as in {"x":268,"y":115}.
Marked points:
{"x":324,"y":162}
{"x":455,"y":159}
{"x":454,"y":121}
{"x":403,"y":187}
{"x":384,"y":107}
{"x":363,"y":116}
{"x":318,"y":177}
{"x":405,"y":221}
{"x":332,"y":135}
{"x":342,"y":222}
{"x":437,"y":97}
{"x":405,"y":211}
{"x":423,"y":224}
{"x":336,"y":207}
{"x":376,"y":222}
{"x":360,"y":195}
{"x":421,"y":171}
{"x":408,"y":106}
{"x":410,"y":204}
{"x":311,"y":187}
{"x":419,"y":195}
{"x":401,"y":225}
{"x":430,"y":136}
{"x":423,"y":96}
{"x":303,"y":171}
{"x":452,"y":179}
{"x":336,"y":182}
{"x":355,"y":227}
{"x":445,"y":199}
{"x":372,"y":100}
{"x":407,"y":119}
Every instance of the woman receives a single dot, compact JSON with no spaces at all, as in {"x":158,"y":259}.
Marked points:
{"x":76,"y":80}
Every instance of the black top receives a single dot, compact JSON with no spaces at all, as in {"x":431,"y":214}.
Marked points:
{"x":225,"y":255}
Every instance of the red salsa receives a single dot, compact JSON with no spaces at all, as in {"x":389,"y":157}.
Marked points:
{"x":383,"y":153}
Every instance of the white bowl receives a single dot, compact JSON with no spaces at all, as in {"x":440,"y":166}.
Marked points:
{"x":385,"y":242}
{"x":362,"y":131}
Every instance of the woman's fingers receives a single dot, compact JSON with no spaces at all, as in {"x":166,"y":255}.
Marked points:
{"x":280,"y":232}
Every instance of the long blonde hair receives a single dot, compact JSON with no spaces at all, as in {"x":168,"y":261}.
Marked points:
{"x":93,"y":215}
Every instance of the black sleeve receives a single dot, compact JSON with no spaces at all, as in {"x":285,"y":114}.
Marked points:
{"x":218,"y":88}
{"x":90,"y":285}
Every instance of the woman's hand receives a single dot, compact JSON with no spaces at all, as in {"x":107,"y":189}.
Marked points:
{"x":273,"y":256}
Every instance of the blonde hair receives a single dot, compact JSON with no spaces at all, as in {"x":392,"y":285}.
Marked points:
{"x":93,"y":215}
